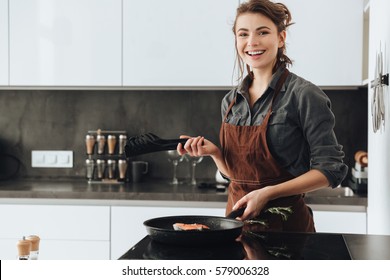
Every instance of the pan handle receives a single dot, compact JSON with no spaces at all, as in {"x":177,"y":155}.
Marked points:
{"x":236,"y":213}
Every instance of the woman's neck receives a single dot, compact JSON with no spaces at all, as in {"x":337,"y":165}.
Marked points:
{"x":262,"y":77}
{"x":261,"y":80}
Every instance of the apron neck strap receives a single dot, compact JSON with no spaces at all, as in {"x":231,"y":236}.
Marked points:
{"x":278,"y":87}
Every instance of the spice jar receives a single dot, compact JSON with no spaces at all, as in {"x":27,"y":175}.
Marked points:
{"x":111,"y":141}
{"x":34,"y":239}
{"x":24,"y":249}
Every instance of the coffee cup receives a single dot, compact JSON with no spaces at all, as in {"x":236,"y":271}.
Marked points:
{"x":138,"y":170}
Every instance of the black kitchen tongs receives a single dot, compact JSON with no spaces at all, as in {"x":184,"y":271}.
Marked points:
{"x":149,"y":143}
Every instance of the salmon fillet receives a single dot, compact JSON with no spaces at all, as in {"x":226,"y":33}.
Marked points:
{"x":181,"y":226}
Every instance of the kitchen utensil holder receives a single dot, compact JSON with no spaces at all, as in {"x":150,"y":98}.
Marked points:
{"x":109,"y":153}
{"x":383,"y":80}
{"x":378,"y":107}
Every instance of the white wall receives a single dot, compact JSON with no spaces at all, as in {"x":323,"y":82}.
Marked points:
{"x":378,"y":212}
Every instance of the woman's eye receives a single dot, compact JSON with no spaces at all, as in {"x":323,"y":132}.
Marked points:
{"x":242,"y":34}
{"x":263,"y":33}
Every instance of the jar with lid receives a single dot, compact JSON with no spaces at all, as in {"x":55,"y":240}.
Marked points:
{"x":34,"y":239}
{"x":24,"y":249}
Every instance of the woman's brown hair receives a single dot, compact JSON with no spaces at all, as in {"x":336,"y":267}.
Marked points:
{"x":280,"y":16}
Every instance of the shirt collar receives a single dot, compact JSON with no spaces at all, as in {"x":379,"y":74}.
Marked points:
{"x":243,"y":88}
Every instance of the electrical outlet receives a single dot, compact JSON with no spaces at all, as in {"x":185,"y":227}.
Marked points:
{"x":52,"y":159}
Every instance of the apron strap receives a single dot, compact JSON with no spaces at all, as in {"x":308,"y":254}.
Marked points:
{"x":278,"y":87}
{"x":229,"y":108}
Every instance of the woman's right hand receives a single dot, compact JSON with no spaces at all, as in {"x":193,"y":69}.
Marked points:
{"x":197,"y":146}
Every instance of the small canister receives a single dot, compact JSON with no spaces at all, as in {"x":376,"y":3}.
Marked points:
{"x":90,"y":143}
{"x":101,"y":167}
{"x":90,"y":164}
{"x":111,"y":141}
{"x":24,"y":249}
{"x":101,"y":142}
{"x":111,"y":166}
{"x":34,"y":239}
{"x":122,"y":143}
{"x":122,"y":167}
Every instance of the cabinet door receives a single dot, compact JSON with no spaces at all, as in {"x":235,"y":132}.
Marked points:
{"x":178,"y":42}
{"x":127,"y":227}
{"x":4,"y":43}
{"x":340,"y":222}
{"x":65,"y":43}
{"x":66,"y":231}
{"x":326,"y":41}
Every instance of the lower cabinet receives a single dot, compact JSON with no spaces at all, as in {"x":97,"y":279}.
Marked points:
{"x":340,"y":222}
{"x":67,"y":232}
{"x":74,"y":232}
{"x":127,"y":223}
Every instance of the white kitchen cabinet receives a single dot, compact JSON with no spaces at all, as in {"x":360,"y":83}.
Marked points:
{"x":127,"y":227}
{"x":65,"y":43}
{"x":178,"y":43}
{"x":326,"y":41}
{"x":66,"y":231}
{"x":340,"y":222}
{"x":4,"y":42}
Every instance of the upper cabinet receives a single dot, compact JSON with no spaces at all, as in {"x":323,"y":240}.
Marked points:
{"x":170,"y":43}
{"x":178,"y":42}
{"x":65,"y":43}
{"x":326,"y":41}
{"x":4,"y":42}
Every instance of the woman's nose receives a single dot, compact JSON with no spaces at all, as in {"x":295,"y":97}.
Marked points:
{"x":252,"y":41}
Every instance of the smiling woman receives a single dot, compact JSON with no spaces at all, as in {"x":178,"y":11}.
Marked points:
{"x":258,"y":44}
{"x":261,"y":24}
{"x":277,"y":133}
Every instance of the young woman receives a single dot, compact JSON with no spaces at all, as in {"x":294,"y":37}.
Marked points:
{"x":277,"y":134}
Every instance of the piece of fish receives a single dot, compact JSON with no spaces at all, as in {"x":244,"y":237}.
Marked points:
{"x":182,"y":226}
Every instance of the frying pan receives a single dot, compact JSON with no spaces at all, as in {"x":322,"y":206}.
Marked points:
{"x":222,"y":229}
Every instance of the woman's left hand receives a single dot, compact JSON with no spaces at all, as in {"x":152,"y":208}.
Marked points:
{"x":253,"y":202}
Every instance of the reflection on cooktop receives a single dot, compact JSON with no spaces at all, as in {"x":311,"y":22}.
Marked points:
{"x":250,"y":245}
{"x":159,"y":251}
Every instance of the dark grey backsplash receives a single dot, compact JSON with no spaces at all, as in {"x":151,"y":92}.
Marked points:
{"x":59,"y":120}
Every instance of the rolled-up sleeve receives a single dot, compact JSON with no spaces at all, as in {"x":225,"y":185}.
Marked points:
{"x":317,"y":122}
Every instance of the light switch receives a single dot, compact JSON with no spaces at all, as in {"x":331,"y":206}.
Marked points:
{"x":63,"y":159}
{"x":52,"y":159}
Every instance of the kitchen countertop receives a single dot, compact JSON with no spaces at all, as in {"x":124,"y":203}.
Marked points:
{"x":153,"y":193}
{"x":272,"y":245}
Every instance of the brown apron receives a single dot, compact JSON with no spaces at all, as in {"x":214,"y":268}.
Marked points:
{"x":251,"y":166}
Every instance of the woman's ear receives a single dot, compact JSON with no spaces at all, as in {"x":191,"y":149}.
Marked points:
{"x":282,"y":38}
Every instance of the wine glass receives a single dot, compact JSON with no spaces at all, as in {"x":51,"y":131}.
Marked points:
{"x":175,"y":158}
{"x":194,"y":161}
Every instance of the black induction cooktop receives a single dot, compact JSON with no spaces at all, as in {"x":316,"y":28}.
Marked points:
{"x":257,"y":246}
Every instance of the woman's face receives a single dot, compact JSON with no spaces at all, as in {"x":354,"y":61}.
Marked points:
{"x":258,"y":40}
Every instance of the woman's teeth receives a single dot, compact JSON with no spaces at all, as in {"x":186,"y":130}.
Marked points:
{"x":255,"y":53}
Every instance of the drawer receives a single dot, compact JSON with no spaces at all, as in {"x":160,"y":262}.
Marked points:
{"x":55,"y":222}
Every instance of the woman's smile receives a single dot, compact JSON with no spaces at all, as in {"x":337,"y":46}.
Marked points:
{"x":254,"y":53}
